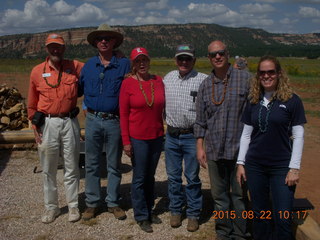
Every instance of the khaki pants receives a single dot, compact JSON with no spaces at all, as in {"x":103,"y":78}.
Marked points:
{"x":61,"y":137}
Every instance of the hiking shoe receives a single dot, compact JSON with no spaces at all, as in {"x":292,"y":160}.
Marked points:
{"x":117,"y":212}
{"x":89,"y":213}
{"x":145,"y":226}
{"x":175,"y":221}
{"x":193,"y":225}
{"x":50,"y":215}
{"x":155,"y":219}
{"x":74,"y":214}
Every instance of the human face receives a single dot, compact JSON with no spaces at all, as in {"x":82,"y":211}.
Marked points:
{"x":105,"y":43}
{"x":268,"y":75}
{"x":185,"y":64}
{"x":55,"y":52}
{"x":141,"y":64}
{"x":218,"y":55}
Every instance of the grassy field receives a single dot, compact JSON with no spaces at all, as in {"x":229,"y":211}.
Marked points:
{"x":304,"y":74}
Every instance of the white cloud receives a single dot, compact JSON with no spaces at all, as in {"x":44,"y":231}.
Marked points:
{"x":38,"y":15}
{"x":154,"y":20}
{"x":207,"y":9}
{"x":61,"y":7}
{"x":256,"y":8}
{"x":309,"y":12}
{"x":87,"y":13}
{"x":157,"y":5}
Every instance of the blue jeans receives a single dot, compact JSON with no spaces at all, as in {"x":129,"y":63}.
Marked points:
{"x":146,"y":154}
{"x":228,"y":196}
{"x":263,"y":181}
{"x":98,"y":132}
{"x":177,"y":149}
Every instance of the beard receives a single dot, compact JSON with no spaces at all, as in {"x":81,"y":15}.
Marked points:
{"x":56,"y":59}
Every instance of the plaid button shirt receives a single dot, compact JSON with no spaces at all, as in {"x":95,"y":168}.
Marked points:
{"x":220,"y":125}
{"x":181,"y":98}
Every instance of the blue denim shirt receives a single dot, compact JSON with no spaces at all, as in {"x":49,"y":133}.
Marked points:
{"x":101,"y":85}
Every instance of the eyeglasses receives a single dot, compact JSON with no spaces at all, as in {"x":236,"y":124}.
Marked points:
{"x":268,"y":72}
{"x":220,"y":52}
{"x":184,"y":58}
{"x":105,"y":38}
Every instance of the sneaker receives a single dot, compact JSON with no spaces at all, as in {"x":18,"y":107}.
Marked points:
{"x":89,"y":213}
{"x":155,"y":219}
{"x":145,"y":226}
{"x":50,"y":215}
{"x":193,"y":225}
{"x":117,"y":212}
{"x":74,"y":214}
{"x":175,"y":221}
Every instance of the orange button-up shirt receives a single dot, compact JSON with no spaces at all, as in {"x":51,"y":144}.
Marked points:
{"x":50,"y":100}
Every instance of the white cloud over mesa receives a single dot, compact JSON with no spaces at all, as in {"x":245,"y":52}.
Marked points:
{"x":39,"y":15}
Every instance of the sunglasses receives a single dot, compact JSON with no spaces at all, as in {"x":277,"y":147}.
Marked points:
{"x":220,"y":52}
{"x":184,"y":58}
{"x":105,"y":38}
{"x":269,"y":73}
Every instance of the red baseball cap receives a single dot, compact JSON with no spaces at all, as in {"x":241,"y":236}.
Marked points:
{"x":138,"y":51}
{"x":55,"y":38}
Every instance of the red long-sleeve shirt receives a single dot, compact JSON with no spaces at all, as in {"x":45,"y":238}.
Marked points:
{"x":137,"y":119}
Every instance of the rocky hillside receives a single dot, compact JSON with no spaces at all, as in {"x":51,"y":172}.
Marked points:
{"x":161,"y":40}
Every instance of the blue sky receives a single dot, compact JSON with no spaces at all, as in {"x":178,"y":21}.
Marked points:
{"x":276,"y":16}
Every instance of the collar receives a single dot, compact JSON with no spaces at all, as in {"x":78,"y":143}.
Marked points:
{"x":113,"y":62}
{"x":186,"y":77}
{"x":228,"y":74}
{"x":47,"y":62}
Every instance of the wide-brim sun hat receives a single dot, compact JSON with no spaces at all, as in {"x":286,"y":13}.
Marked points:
{"x":105,"y":30}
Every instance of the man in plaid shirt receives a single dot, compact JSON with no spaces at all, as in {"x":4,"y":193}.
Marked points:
{"x":220,"y":103}
{"x":181,"y":88}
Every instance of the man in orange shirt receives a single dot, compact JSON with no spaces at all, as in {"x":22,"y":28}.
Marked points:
{"x":53,"y":93}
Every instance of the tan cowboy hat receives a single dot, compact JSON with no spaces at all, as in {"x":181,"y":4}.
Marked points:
{"x":106,"y":30}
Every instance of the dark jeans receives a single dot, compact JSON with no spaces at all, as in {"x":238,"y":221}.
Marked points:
{"x":263,"y":182}
{"x":228,"y":196}
{"x":146,"y":154}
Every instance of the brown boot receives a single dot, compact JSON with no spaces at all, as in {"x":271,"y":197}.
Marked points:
{"x":175,"y":221}
{"x":193,"y":225}
{"x":89,"y":213}
{"x":117,"y":212}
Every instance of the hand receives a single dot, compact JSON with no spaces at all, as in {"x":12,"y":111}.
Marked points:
{"x":37,"y":135}
{"x":202,"y":158}
{"x":292,"y":177}
{"x":128,"y":150}
{"x":241,"y":174}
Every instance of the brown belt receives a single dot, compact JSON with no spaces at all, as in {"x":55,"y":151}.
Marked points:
{"x":59,"y":115}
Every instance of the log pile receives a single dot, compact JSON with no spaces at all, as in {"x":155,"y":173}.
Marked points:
{"x":13,"y":111}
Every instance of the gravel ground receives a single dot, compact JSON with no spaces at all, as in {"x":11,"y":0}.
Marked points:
{"x":21,"y":206}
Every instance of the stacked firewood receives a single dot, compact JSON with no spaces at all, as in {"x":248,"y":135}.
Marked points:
{"x":13,"y":111}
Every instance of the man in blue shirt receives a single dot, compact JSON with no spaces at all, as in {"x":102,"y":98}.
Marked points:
{"x":100,"y":82}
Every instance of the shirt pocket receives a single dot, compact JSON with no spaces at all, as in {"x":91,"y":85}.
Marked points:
{"x":70,"y":86}
{"x":210,"y":107}
{"x":238,"y":99}
{"x":114,"y":87}
{"x":47,"y":94}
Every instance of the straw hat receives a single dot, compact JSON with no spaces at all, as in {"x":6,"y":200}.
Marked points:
{"x":105,"y":30}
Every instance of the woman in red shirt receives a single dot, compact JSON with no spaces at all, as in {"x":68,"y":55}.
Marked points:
{"x":142,"y":102}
